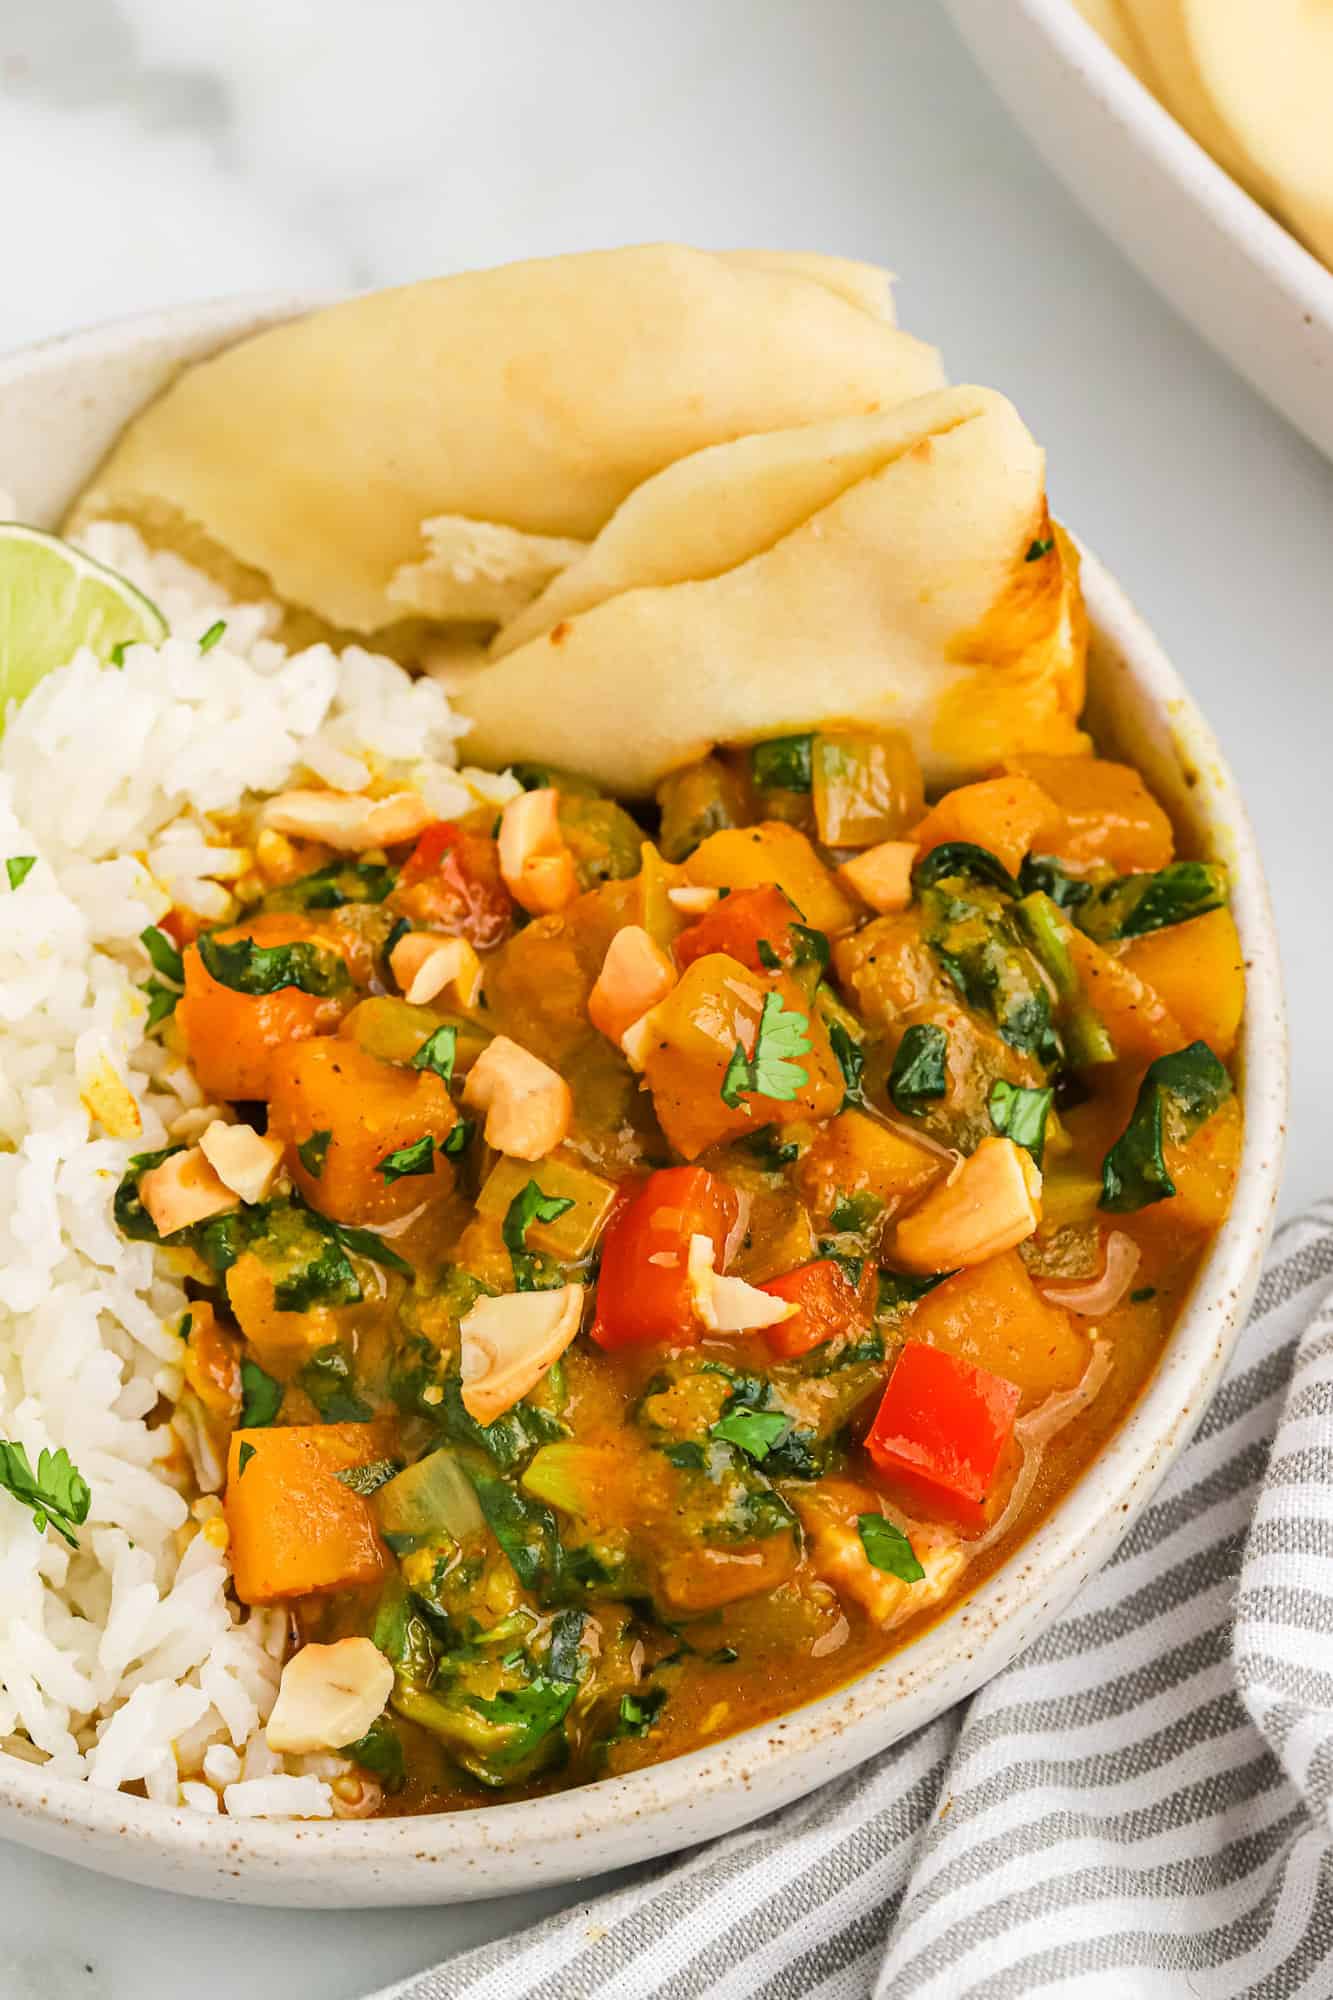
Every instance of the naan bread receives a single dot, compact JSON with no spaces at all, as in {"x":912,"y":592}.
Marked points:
{"x":440,"y":451}
{"x":880,"y":569}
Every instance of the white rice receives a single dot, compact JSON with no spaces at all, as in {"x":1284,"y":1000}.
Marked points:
{"x":126,"y":1661}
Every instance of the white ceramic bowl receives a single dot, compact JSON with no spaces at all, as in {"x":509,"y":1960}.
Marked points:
{"x":1227,"y":267}
{"x":60,"y":406}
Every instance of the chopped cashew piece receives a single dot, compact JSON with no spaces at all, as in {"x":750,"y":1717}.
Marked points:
{"x":838,"y":1558}
{"x":636,"y":1038}
{"x":537,"y":867}
{"x":424,"y":963}
{"x":507,"y":1345}
{"x":349,"y":822}
{"x":242,"y":1161}
{"x":108,"y":1098}
{"x":635,"y":975}
{"x":730,"y":1305}
{"x":692,"y":901}
{"x":329,"y":1697}
{"x":184,"y":1189}
{"x":882,"y":876}
{"x":528,"y":1106}
{"x":992,"y":1204}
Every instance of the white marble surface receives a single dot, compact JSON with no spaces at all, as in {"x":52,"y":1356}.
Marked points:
{"x":152,"y":151}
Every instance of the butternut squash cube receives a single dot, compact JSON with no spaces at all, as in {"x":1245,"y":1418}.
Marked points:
{"x":992,"y":1316}
{"x":1197,"y":970}
{"x":294,"y":1527}
{"x":371,"y":1111}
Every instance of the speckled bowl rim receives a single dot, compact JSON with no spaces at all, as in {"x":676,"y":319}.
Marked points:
{"x":493,"y":1849}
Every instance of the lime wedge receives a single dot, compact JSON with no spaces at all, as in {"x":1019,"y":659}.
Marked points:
{"x":54,"y":599}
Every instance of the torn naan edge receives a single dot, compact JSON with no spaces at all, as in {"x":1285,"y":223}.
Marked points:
{"x":526,"y":402}
{"x":887,"y":570}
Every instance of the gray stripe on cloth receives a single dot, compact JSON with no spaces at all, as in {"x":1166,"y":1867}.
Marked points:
{"x":831,"y":1874}
{"x":1285,"y":1604}
{"x":1292,"y":1534}
{"x":1311,"y":1687}
{"x":1283,"y":1281}
{"x":1172,"y":1590}
{"x":1168,"y":1517}
{"x":1312,"y":1465}
{"x":1192,"y":1875}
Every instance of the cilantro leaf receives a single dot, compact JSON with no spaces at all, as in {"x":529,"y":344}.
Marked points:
{"x":529,"y":1205}
{"x":438,"y":1052}
{"x":18,"y":868}
{"x":313,"y":1152}
{"x":261,"y":1397}
{"x":404,"y":1162}
{"x":755,"y":1432}
{"x":888,"y":1548}
{"x":639,"y":1711}
{"x":1036,"y":550}
{"x":771,"y":1071}
{"x":851,"y":1061}
{"x":165,"y":958}
{"x":1020,"y":1114}
{"x":212,"y":635}
{"x":920,"y":1068}
{"x":161,"y":1003}
{"x":256,"y":969}
{"x":243,"y":1457}
{"x":57,"y":1492}
{"x":365,"y":1243}
{"x":457,"y":1141}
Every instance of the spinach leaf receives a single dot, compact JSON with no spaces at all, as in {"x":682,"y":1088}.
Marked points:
{"x":526,"y":1531}
{"x":855,"y":1212}
{"x":899,"y":1292}
{"x":327,"y":1380}
{"x":851,"y":1061}
{"x":1137,"y":904}
{"x":888,"y":1548}
{"x":261,"y":1397}
{"x":639,"y":1711}
{"x":755,"y":1432}
{"x":782,"y":764}
{"x":809,"y":947}
{"x":365,"y":1243}
{"x":1043,"y":874}
{"x":965,"y":858}
{"x":564,"y":1655}
{"x":257,"y":969}
{"x":302,"y":1254}
{"x":380,"y":1751}
{"x":219,"y":1241}
{"x":439,"y":1052}
{"x":1177,"y":1094}
{"x":333,"y":886}
{"x":1020,"y":1114}
{"x":527,"y":1715}
{"x":973,"y":936}
{"x":508,"y":1442}
{"x":920,"y":1070}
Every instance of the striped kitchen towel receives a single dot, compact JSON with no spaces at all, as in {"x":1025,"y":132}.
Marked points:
{"x":1139,"y":1807}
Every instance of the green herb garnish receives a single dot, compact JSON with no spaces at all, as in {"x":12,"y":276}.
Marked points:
{"x":771,"y":1071}
{"x":161,"y":1003}
{"x":1137,"y":904}
{"x":257,"y":969}
{"x":851,"y":1061}
{"x":163,"y":953}
{"x":529,"y":1205}
{"x":1038,"y":549}
{"x":458,"y":1138}
{"x":754,"y":1432}
{"x":365,"y":1243}
{"x":638,"y":1712}
{"x":380,"y":1751}
{"x":404,"y":1162}
{"x":18,"y":868}
{"x":57,"y":1492}
{"x":212,"y":635}
{"x":439,"y":1052}
{"x":261,"y":1397}
{"x":243,"y":1457}
{"x":888,"y":1548}
{"x":313,"y":1152}
{"x":920,"y":1070}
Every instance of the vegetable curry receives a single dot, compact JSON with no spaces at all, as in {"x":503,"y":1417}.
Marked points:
{"x":645,"y":1266}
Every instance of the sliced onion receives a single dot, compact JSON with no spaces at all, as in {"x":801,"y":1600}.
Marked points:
{"x":1032,"y":1432}
{"x":1093,"y":1296}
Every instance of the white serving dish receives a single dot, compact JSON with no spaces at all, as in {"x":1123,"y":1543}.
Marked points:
{"x":1238,"y":277}
{"x":60,"y":406}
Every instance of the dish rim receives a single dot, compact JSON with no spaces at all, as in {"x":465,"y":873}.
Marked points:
{"x":1260,"y":235}
{"x":663,"y":1807}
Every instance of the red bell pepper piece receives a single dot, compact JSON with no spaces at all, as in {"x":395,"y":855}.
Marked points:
{"x":941,"y":1430}
{"x":737,"y":924}
{"x":643,"y":1290}
{"x":829,"y":1303}
{"x":451,"y":881}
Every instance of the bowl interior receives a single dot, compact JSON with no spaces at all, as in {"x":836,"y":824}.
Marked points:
{"x":60,"y":407}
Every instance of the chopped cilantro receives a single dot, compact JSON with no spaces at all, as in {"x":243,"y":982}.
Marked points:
{"x":851,"y":1061}
{"x":161,"y":1003}
{"x":57,"y":1492}
{"x":638,"y":1712}
{"x":529,"y":1205}
{"x":212,"y":635}
{"x":313,"y":1152}
{"x":438,"y":1052}
{"x":768,"y":958}
{"x":365,"y":1243}
{"x":18,"y":868}
{"x":406,"y":1161}
{"x":1020,"y":1114}
{"x":458,"y":1139}
{"x":243,"y":1457}
{"x":755,"y":1432}
{"x":247,"y":967}
{"x":771,"y":1071}
{"x":163,"y":953}
{"x":1036,"y":550}
{"x":261,"y":1397}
